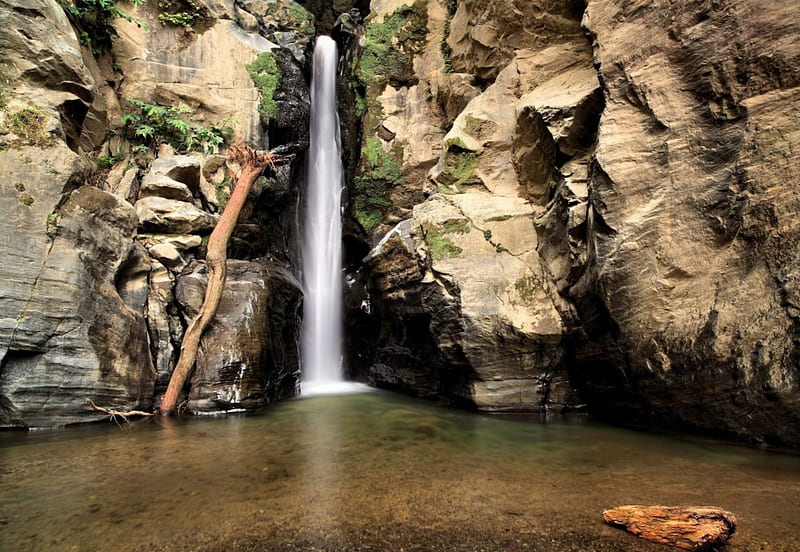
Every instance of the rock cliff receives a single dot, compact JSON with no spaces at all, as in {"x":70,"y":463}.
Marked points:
{"x":103,"y":220}
{"x":553,"y":205}
{"x":607,"y":219}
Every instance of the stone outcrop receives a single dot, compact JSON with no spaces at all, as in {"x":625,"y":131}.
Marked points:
{"x":692,"y":234}
{"x":90,"y":256}
{"x":657,"y":175}
{"x":248,"y":357}
{"x":686,"y":527}
{"x":67,"y":333}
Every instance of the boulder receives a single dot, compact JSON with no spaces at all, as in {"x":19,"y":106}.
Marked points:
{"x":248,"y":355}
{"x":157,"y":214}
{"x":693,"y":528}
{"x":163,"y":186}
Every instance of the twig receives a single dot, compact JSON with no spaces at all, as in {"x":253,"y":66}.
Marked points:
{"x":114,"y":414}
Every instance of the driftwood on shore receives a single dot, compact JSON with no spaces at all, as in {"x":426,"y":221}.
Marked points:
{"x":692,"y":528}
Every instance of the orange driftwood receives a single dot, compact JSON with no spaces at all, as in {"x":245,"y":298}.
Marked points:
{"x":687,"y":527}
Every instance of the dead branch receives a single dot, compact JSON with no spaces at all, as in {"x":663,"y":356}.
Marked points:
{"x":115,"y":415}
{"x":252,"y":163}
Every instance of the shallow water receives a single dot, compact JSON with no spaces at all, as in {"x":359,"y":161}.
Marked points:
{"x":374,"y":471}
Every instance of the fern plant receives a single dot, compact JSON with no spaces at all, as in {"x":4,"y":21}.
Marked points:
{"x":93,"y":20}
{"x":153,"y":125}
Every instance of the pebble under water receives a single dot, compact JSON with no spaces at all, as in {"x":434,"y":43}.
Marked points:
{"x":375,"y":471}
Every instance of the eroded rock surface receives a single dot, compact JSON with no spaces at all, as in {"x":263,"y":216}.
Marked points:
{"x":248,"y":356}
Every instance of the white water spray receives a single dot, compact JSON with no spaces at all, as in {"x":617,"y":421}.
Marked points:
{"x":321,"y":346}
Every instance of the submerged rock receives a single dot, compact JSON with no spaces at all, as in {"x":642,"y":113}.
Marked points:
{"x":693,"y":528}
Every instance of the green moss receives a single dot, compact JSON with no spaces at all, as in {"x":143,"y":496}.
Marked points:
{"x":19,"y":186}
{"x":377,"y":174}
{"x":266,"y":76}
{"x":184,"y":13}
{"x":456,"y":227}
{"x":526,"y":288}
{"x":390,"y":46}
{"x":223,"y":192}
{"x":26,"y":199}
{"x":463,"y":168}
{"x":440,"y":246}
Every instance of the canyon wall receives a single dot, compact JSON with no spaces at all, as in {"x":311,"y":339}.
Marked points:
{"x":103,"y":228}
{"x":553,"y":206}
{"x":594,"y":211}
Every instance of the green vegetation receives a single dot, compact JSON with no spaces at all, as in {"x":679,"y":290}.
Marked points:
{"x":377,"y":173}
{"x":53,"y":220}
{"x":26,"y":199}
{"x":266,"y":76}
{"x":5,"y":83}
{"x":526,"y":287}
{"x":183,"y":13}
{"x":29,"y":124}
{"x":462,"y":167}
{"x":456,"y":227}
{"x":154,"y":125}
{"x":390,"y":46}
{"x":223,"y":192}
{"x":93,"y":20}
{"x":440,"y":246}
{"x":293,"y":16}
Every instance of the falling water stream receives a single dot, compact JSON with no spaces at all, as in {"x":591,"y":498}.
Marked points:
{"x":321,"y":347}
{"x":322,"y":245}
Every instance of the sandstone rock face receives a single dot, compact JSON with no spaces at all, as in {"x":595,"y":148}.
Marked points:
{"x":249,"y":355}
{"x":692,"y":234}
{"x":64,"y":319}
{"x":685,"y":527}
{"x":657,"y":176}
{"x":205,"y":71}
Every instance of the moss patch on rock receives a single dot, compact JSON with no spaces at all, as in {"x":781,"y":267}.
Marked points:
{"x":26,"y":125}
{"x":377,"y":174}
{"x":266,"y":76}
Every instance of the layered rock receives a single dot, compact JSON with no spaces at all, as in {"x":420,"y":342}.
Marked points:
{"x":692,"y":234}
{"x":248,"y":356}
{"x":67,"y":333}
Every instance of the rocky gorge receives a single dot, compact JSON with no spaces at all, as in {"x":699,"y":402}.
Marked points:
{"x":553,"y":206}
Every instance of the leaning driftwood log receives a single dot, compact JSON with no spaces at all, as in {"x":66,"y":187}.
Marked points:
{"x":693,"y":528}
{"x":252,"y":164}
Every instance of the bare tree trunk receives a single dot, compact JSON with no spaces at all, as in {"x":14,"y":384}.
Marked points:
{"x":253,"y":164}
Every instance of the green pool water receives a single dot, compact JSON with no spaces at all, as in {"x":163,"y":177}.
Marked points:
{"x":375,"y":471}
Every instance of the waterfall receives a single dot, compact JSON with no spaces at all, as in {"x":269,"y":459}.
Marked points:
{"x":321,"y":344}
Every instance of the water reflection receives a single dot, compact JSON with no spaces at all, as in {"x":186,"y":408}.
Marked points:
{"x":373,"y":471}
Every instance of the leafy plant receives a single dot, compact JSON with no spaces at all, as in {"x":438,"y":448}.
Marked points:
{"x":377,"y":173}
{"x":154,"y":125}
{"x":266,"y":75}
{"x":93,"y":20}
{"x":182,"y":13}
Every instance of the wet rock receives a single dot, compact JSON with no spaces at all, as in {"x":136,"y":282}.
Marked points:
{"x":157,"y":214}
{"x":248,"y":355}
{"x":693,"y":528}
{"x":163,"y":324}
